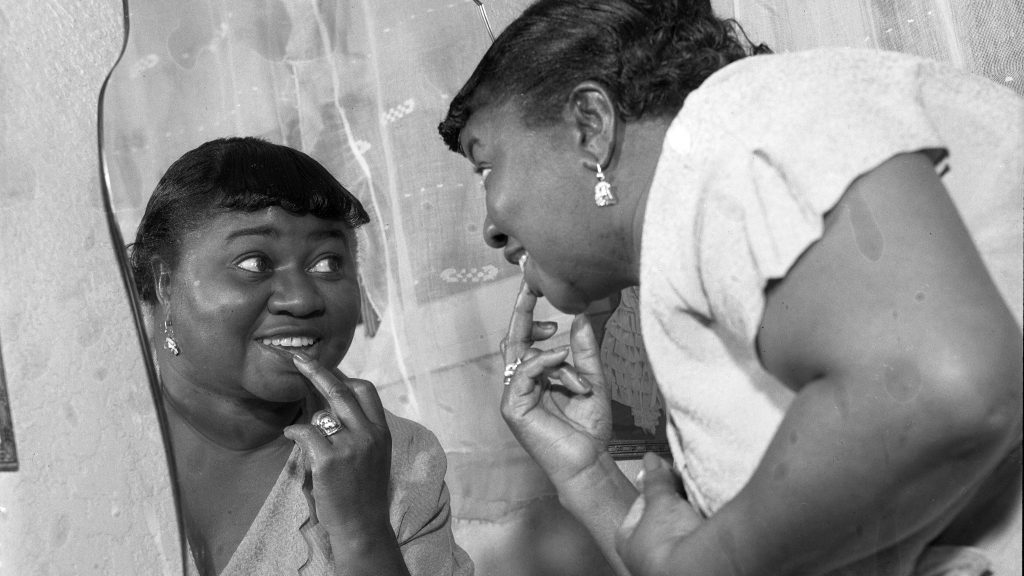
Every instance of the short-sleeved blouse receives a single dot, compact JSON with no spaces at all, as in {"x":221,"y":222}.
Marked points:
{"x":749,"y":167}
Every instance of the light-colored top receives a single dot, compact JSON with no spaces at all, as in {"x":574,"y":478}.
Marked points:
{"x":755,"y":158}
{"x":283,"y":540}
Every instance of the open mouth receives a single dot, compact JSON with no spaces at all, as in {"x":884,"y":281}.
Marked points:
{"x":295,"y":342}
{"x":289,"y":345}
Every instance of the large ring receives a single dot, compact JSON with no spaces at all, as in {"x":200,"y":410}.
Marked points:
{"x":510,"y":370}
{"x":326,"y":423}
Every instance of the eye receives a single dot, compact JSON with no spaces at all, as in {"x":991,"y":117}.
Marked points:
{"x":254,"y":264}
{"x":326,"y":265}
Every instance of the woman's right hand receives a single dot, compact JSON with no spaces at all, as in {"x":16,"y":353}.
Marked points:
{"x":565,"y":427}
{"x":351,"y":471}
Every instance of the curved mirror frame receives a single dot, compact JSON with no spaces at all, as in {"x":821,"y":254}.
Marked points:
{"x":121,"y":257}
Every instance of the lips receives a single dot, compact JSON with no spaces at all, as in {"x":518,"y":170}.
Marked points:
{"x":524,"y":257}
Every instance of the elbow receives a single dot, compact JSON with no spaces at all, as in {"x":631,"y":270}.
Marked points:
{"x":977,"y":393}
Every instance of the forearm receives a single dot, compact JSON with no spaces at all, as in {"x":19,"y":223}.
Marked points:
{"x":599,"y":498}
{"x":367,"y":554}
{"x":846,"y":475}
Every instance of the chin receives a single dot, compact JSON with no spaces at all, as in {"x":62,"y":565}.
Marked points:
{"x":567,"y":304}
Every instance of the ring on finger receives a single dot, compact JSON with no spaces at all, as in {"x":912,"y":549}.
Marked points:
{"x":510,"y":370}
{"x":326,"y":423}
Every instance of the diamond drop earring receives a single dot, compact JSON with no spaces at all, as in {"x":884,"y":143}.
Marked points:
{"x":169,"y":341}
{"x":603,"y":190}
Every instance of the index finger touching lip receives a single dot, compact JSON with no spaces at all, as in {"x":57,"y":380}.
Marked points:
{"x":339,"y":397}
{"x":520,"y":325}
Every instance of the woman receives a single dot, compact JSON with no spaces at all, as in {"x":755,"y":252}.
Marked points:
{"x":246,"y":257}
{"x":841,"y":366}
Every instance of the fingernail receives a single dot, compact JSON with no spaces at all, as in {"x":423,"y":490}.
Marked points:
{"x":640,"y":477}
{"x":576,"y":379}
{"x":301,"y":358}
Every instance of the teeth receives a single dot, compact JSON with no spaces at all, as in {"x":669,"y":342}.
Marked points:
{"x":289,"y":342}
{"x":522,"y":261}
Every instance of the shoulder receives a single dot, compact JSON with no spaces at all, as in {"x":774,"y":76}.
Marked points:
{"x":416,"y":454}
{"x":822,"y":67}
{"x":803,"y":88}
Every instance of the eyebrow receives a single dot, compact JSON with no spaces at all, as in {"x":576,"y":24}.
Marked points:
{"x":268,"y":231}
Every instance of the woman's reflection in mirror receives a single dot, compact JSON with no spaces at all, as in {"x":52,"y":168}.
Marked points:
{"x":246,"y":259}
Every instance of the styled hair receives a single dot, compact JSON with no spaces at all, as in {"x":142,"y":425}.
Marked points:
{"x":225,"y":175}
{"x":649,"y":54}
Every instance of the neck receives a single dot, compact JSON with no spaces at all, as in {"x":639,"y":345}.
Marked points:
{"x":635,"y":165}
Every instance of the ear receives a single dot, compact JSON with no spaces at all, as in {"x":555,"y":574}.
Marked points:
{"x":592,"y":111}
{"x":161,"y":280}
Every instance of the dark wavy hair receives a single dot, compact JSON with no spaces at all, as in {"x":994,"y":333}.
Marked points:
{"x":232,"y":174}
{"x":650,"y":54}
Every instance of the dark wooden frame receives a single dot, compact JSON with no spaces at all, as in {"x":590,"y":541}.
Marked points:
{"x":631,"y":442}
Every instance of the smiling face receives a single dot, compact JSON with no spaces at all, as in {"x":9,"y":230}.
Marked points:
{"x":250,"y":289}
{"x":539,"y":193}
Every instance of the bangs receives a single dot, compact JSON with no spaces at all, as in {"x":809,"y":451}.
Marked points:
{"x":254,"y":177}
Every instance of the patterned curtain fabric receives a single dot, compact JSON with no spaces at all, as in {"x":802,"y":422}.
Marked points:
{"x":361,"y":85}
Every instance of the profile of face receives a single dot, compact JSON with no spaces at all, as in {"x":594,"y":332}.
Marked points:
{"x":250,"y":289}
{"x":540,"y":208}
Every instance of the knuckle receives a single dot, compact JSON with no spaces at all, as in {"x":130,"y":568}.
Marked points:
{"x":337,"y":393}
{"x":360,"y":386}
{"x":507,"y":413}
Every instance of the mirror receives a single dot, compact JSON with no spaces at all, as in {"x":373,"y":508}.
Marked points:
{"x":360,"y":86}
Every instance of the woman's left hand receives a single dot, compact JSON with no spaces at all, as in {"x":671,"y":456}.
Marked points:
{"x":565,"y":428}
{"x":351,"y":468}
{"x":659,"y":520}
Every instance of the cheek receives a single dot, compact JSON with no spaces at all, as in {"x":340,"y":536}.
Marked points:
{"x":220,"y":315}
{"x":344,"y":305}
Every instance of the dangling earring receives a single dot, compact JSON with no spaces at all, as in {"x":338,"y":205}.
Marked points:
{"x":603,"y":190}
{"x":169,"y":341}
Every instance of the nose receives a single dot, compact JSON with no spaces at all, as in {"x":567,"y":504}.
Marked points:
{"x":492,"y":236}
{"x":295,"y":293}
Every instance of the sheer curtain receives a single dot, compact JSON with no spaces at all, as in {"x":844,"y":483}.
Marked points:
{"x":361,"y":85}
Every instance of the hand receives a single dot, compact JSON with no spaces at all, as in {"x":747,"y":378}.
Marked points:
{"x":351,"y":468}
{"x":658,"y":522}
{"x":566,"y":427}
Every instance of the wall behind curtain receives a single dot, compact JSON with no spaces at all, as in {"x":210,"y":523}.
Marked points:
{"x":985,"y":37}
{"x":91,"y":494}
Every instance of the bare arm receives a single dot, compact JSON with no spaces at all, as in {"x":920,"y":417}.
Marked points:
{"x":907,"y":368}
